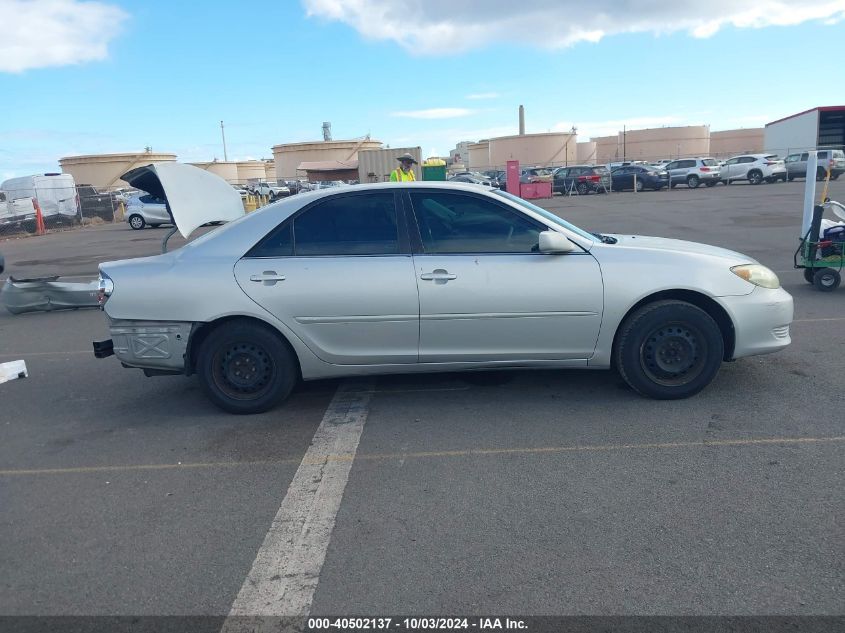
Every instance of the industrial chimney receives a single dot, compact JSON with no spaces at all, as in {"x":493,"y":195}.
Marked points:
{"x":521,"y":120}
{"x":327,"y":131}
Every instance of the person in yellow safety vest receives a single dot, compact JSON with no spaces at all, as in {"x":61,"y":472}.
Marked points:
{"x":405,"y":171}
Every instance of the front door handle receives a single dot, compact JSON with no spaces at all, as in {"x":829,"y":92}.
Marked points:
{"x":438,"y":275}
{"x":268,"y":278}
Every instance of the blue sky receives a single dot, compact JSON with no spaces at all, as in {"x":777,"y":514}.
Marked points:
{"x":163,"y":74}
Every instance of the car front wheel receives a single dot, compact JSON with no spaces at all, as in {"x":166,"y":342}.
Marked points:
{"x":136,"y":222}
{"x":245,"y":367}
{"x":669,"y":350}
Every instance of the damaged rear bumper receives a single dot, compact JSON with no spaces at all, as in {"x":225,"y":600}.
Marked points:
{"x":150,"y":345}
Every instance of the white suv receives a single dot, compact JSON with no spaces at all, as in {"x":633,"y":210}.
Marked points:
{"x":755,"y":168}
{"x":693,"y":172}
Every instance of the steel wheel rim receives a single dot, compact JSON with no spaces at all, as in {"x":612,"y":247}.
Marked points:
{"x":243,"y":370}
{"x":827,"y":280}
{"x":673,"y":354}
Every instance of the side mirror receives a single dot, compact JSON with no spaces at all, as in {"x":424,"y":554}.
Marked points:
{"x":554,"y":243}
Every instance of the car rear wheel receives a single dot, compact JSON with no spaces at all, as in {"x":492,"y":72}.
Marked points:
{"x":693,"y":182}
{"x":669,"y":350}
{"x":790,"y":178}
{"x":639,"y":186}
{"x":755,"y":177}
{"x":246,"y":368}
{"x":826,"y":279}
{"x":582,"y":188}
{"x":137,"y":222}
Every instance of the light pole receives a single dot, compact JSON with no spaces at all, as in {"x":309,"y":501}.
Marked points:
{"x":223,"y":134}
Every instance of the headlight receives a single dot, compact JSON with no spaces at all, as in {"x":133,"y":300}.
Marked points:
{"x":757,"y":275}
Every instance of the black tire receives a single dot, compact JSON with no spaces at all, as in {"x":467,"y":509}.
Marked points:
{"x":790,"y":178}
{"x":826,"y":279}
{"x":809,"y":273}
{"x":693,"y":182}
{"x":582,"y":188}
{"x":154,"y":226}
{"x":673,"y":185}
{"x":639,"y":186}
{"x":137,"y":222}
{"x":711,"y":183}
{"x":834,"y":176}
{"x":755,"y":177}
{"x":257,"y":351}
{"x":669,"y":350}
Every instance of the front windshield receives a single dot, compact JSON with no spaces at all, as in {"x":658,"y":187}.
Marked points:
{"x":546,"y":214}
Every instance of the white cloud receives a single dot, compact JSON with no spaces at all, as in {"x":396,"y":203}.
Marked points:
{"x":44,"y":33}
{"x":484,"y":95}
{"x":434,"y":113}
{"x":445,"y":27}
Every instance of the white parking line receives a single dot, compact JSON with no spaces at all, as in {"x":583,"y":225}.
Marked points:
{"x":287,"y":568}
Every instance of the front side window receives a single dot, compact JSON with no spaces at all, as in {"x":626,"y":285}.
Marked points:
{"x":348,"y":225}
{"x":452,"y":223}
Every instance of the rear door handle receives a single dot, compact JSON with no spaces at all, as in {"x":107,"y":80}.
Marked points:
{"x":438,"y":275}
{"x":268,"y":278}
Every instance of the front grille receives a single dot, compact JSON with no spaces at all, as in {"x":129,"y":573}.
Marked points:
{"x":781,"y":332}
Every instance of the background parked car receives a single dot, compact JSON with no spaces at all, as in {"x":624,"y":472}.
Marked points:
{"x":583,"y":178}
{"x":796,"y":164}
{"x":272,"y":190}
{"x":472,"y":179}
{"x":536,"y":174}
{"x":646,"y":178}
{"x":143,"y":209}
{"x":755,"y":168}
{"x":693,"y":172}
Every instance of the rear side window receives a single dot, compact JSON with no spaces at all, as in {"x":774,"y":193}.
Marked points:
{"x":686,"y":163}
{"x":822,"y":154}
{"x":348,"y":225}
{"x":601,"y":171}
{"x":709,"y":162}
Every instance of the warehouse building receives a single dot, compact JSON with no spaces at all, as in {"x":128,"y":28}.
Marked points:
{"x":819,"y":127}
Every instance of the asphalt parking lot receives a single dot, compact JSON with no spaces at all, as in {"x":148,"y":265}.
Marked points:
{"x":536,"y":493}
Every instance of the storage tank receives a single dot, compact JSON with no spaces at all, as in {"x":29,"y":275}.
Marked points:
{"x":288,"y":156}
{"x":608,"y":148}
{"x":270,"y":170}
{"x":666,"y":142}
{"x":727,"y":143}
{"x":552,"y":148}
{"x":252,"y":171}
{"x":478,"y":155}
{"x":227,"y":170}
{"x":103,"y":171}
{"x":586,"y":153}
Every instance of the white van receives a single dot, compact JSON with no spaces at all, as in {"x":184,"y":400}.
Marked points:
{"x":55,"y":194}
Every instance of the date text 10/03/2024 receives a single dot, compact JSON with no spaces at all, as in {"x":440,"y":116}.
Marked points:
{"x":416,"y":624}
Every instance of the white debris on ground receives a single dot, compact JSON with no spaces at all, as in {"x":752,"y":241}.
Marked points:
{"x":11,"y":370}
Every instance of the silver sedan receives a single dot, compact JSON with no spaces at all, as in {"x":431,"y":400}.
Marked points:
{"x":425,"y":277}
{"x":143,"y":209}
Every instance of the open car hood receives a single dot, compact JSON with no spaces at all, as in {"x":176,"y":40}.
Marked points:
{"x":194,"y":196}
